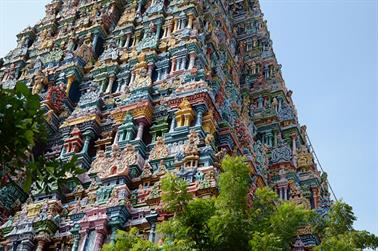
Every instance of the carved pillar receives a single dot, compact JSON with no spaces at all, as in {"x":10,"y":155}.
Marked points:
{"x":183,"y":63}
{"x":128,"y":37}
{"x":139,"y":10}
{"x":192,"y":59}
{"x":199,"y":118}
{"x":103,"y":85}
{"x":82,"y":244}
{"x":151,"y":236}
{"x":110,"y":84}
{"x":87,"y":138}
{"x":175,"y":22}
{"x":173,"y":125}
{"x":165,"y":29}
{"x":76,"y":241}
{"x":70,"y":80}
{"x":134,"y":40}
{"x":99,"y":240}
{"x":150,"y":68}
{"x":113,"y":234}
{"x":120,"y":86}
{"x":294,"y":143}
{"x":95,"y":41}
{"x":158,"y":30}
{"x":169,"y":28}
{"x":201,"y":109}
{"x":132,"y":78}
{"x":173,"y":66}
{"x":140,"y":130}
{"x":269,"y":137}
{"x":190,"y":21}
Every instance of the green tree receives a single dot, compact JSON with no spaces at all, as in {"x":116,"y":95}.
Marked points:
{"x":286,"y":221}
{"x":174,"y":193}
{"x":337,"y":232}
{"x":51,"y":175}
{"x":230,"y":225}
{"x":227,"y":223}
{"x":274,"y":223}
{"x":130,"y":241}
{"x":265,"y":242}
{"x":188,"y":229}
{"x":21,"y":123}
{"x":22,"y":126}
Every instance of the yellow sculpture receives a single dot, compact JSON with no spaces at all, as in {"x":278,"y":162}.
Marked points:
{"x":159,"y":151}
{"x":45,"y":40}
{"x":142,"y":79}
{"x":128,"y":16}
{"x":304,"y":158}
{"x":208,"y":124}
{"x":70,"y":81}
{"x":39,"y":81}
{"x":185,"y":114}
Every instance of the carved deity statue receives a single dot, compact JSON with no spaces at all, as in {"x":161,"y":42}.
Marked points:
{"x":117,"y":164}
{"x":98,"y":162}
{"x":142,"y":79}
{"x":160,"y":150}
{"x":191,"y":147}
{"x":146,"y":170}
{"x":128,"y":16}
{"x":40,"y":80}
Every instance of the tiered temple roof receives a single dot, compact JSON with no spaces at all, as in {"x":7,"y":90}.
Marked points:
{"x":139,"y":88}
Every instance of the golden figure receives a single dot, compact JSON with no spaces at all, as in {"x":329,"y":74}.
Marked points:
{"x":40,"y":80}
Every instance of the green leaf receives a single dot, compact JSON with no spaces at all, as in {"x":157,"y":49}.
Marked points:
{"x":22,"y":88}
{"x":27,"y":182}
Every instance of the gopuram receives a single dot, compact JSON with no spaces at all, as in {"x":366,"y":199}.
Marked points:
{"x":139,"y":88}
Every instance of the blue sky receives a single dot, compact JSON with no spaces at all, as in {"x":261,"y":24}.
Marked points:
{"x":328,"y":50}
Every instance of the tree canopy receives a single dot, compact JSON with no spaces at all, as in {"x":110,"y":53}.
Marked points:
{"x":226,"y":222}
{"x":22,"y":127}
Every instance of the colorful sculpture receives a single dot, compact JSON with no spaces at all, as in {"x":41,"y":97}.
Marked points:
{"x":137,"y":89}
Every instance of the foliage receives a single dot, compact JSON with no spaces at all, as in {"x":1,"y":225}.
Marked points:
{"x":227,"y":223}
{"x":338,"y":232}
{"x":265,"y":241}
{"x":274,"y":223}
{"x":233,"y":184}
{"x":175,"y":195}
{"x":21,"y":122}
{"x":286,"y":221}
{"x":230,"y":225}
{"x":22,"y":127}
{"x":130,"y":241}
{"x":188,"y":229}
{"x":51,"y":175}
